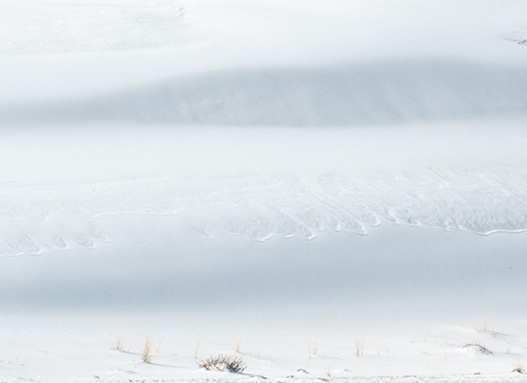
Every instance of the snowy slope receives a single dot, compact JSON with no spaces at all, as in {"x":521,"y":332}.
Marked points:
{"x":286,"y":181}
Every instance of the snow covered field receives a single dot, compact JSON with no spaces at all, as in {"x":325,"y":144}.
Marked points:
{"x":329,"y":190}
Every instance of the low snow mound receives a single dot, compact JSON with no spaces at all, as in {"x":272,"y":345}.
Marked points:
{"x":47,"y":28}
{"x":368,"y":93}
{"x":517,"y":36}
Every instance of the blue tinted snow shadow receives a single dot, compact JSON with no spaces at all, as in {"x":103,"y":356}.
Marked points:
{"x":396,"y":269}
{"x":369,"y":93}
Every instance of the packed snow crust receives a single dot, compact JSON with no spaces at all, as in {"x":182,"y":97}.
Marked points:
{"x":333,"y":191}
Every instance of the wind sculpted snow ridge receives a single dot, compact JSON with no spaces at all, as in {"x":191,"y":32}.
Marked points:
{"x":369,"y":93}
{"x":63,"y":216}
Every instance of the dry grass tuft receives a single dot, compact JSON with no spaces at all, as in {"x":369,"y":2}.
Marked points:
{"x":312,"y":351}
{"x":238,"y":346}
{"x":222,"y":362}
{"x":329,"y":372}
{"x":484,"y":326}
{"x":119,"y":343}
{"x":359,"y":346}
{"x":196,"y":352}
{"x":145,"y":356}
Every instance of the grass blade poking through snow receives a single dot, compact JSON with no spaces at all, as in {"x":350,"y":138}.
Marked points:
{"x":145,"y":356}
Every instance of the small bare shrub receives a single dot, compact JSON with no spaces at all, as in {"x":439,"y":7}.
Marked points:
{"x":479,"y":347}
{"x":222,"y":362}
{"x":520,"y":368}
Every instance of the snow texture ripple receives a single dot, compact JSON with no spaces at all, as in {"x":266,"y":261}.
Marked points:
{"x":63,"y":216}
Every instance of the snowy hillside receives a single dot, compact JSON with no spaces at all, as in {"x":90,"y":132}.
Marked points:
{"x":329,"y":190}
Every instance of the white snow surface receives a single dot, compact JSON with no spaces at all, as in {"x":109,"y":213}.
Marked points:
{"x":331,"y":191}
